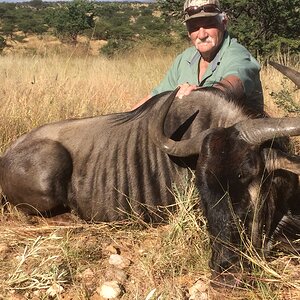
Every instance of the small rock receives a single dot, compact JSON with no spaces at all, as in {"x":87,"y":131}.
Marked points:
{"x":39,"y":293}
{"x":88,"y":275}
{"x":199,"y":286}
{"x":199,"y":291}
{"x":199,"y":296}
{"x":142,"y":252}
{"x":150,"y":295}
{"x":110,"y":290}
{"x":119,"y":261}
{"x":112,"y":249}
{"x":88,"y":278}
{"x":96,"y":296}
{"x":16,"y":297}
{"x":116,"y":274}
{"x":54,"y":290}
{"x":4,"y":249}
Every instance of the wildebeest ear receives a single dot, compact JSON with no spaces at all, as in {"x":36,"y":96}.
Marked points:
{"x":276,"y":159}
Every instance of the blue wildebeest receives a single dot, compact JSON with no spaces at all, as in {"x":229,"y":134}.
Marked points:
{"x":247,"y":181}
{"x":104,"y":168}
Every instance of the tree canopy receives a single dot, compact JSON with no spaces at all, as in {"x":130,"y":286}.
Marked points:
{"x":72,"y":19}
{"x":265,"y":27}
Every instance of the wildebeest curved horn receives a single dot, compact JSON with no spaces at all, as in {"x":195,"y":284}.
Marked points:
{"x":256,"y":131}
{"x":290,"y":73}
{"x":176,"y":148}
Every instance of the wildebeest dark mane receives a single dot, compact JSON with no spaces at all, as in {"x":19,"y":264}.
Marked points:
{"x":120,"y":118}
{"x":226,"y":95}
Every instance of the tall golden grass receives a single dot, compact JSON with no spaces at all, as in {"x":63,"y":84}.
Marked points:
{"x":36,"y":89}
{"x":39,"y":89}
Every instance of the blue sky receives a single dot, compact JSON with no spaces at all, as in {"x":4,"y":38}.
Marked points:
{"x":70,"y":0}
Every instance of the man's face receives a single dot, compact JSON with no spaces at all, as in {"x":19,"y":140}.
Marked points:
{"x":206,"y":33}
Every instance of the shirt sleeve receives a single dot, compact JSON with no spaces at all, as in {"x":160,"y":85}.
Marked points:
{"x":246,"y":68}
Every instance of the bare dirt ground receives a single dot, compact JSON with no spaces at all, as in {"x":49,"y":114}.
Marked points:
{"x":69,"y":259}
{"x":65,"y":258}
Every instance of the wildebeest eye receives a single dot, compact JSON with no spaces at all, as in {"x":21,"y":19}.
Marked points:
{"x":243,"y":176}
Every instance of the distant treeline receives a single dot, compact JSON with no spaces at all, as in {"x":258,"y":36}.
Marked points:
{"x":265,"y":27}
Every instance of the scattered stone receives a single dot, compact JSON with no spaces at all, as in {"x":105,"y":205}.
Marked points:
{"x":4,"y":249}
{"x":38,"y":294}
{"x":119,"y":261}
{"x":54,"y":290}
{"x":88,"y":274}
{"x":16,"y":297}
{"x":142,"y":252}
{"x":110,"y":290}
{"x":199,"y":291}
{"x":112,"y":249}
{"x":150,"y":295}
{"x":88,"y":279}
{"x":96,"y":296}
{"x":116,"y":274}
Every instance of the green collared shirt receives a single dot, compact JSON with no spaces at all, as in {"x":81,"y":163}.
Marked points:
{"x":232,"y":59}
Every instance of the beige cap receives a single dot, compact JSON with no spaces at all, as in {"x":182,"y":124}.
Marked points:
{"x":201,"y":8}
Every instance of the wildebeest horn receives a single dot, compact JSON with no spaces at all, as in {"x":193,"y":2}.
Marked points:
{"x":256,"y":131}
{"x":288,"y":72}
{"x":176,"y":148}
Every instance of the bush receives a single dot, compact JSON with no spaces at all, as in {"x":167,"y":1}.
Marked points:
{"x":116,"y":47}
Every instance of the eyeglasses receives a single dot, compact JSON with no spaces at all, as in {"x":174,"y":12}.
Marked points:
{"x":193,"y":25}
{"x":209,"y":8}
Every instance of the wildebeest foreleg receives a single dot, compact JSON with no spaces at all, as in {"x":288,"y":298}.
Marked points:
{"x":37,"y":173}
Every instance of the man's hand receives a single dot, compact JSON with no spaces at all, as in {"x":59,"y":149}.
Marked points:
{"x":185,"y":89}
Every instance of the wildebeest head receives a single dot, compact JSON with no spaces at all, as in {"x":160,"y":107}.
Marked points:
{"x":246,"y":180}
{"x":244,"y":192}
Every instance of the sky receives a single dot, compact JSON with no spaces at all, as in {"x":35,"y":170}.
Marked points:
{"x":13,"y":1}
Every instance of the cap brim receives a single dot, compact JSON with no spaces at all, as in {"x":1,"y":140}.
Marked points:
{"x":201,"y":15}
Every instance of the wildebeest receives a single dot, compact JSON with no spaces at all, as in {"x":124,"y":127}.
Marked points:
{"x":104,"y":168}
{"x":247,"y":181}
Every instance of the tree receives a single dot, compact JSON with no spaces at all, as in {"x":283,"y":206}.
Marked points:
{"x":8,"y":19}
{"x":101,"y":29}
{"x":71,"y":19}
{"x":263,"y":26}
{"x":171,"y":8}
{"x":30,"y":21}
{"x":37,"y":4}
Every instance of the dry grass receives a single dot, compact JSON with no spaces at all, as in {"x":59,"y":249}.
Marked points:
{"x":273,"y":82}
{"x":38,"y":256}
{"x":36,"y":90}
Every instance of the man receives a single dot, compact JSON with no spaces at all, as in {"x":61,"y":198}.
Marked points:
{"x":215,"y":59}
